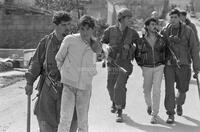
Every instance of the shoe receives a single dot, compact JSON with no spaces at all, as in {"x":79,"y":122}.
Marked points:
{"x":179,"y":110}
{"x":170,"y":119}
{"x":149,"y":110}
{"x":154,"y":120}
{"x":119,"y":116}
{"x":113,"y":108}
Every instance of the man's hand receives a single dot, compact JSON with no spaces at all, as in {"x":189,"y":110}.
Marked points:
{"x":106,"y":50}
{"x":29,"y":89}
{"x":195,"y":75}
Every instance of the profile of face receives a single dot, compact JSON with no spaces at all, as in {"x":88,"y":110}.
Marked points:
{"x":126,"y":21}
{"x":64,"y":28}
{"x":86,"y":32}
{"x":152,"y":27}
{"x":174,"y":19}
{"x":182,"y":18}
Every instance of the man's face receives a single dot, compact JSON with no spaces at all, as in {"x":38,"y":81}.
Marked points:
{"x":127,"y":21}
{"x":183,"y":18}
{"x":86,"y":32}
{"x":152,"y":26}
{"x":174,"y":19}
{"x":64,"y":28}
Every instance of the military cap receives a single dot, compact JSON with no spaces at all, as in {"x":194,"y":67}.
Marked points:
{"x":124,"y":12}
{"x":183,"y":12}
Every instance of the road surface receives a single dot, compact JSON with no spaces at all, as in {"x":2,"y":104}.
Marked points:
{"x":13,"y":109}
{"x":13,"y":103}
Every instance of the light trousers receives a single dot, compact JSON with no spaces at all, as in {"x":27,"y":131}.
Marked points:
{"x":74,"y":98}
{"x":151,"y":86}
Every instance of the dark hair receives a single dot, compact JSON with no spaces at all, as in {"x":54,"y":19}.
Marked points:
{"x":86,"y":20}
{"x":149,"y":20}
{"x":184,"y":13}
{"x":61,"y":16}
{"x":174,"y":11}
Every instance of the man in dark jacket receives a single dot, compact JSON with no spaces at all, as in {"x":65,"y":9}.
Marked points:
{"x":43,"y":64}
{"x":182,"y":50}
{"x":120,"y":38}
{"x":150,"y":55}
{"x":184,"y":19}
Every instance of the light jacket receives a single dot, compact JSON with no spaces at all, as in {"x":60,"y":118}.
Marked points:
{"x":74,"y":60}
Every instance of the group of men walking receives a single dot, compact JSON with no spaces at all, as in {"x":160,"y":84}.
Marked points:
{"x":65,"y":65}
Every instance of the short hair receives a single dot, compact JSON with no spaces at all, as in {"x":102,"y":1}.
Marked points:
{"x":61,"y":16}
{"x":174,"y":11}
{"x":184,"y":13}
{"x":86,"y":20}
{"x":149,"y":20}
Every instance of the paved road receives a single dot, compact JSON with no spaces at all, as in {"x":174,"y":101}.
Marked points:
{"x":13,"y":109}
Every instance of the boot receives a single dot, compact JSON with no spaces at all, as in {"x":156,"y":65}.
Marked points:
{"x":149,"y":110}
{"x":179,"y":110}
{"x":119,"y":116}
{"x":113,"y":108}
{"x":154,"y":119}
{"x":170,"y":119}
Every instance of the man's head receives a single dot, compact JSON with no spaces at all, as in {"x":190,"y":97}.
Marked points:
{"x":154,"y":14}
{"x":174,"y":17}
{"x":86,"y":26}
{"x":124,"y":16}
{"x":183,"y":15}
{"x":62,"y":21}
{"x":150,"y":25}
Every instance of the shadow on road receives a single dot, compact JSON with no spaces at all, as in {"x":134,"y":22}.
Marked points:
{"x":162,"y":126}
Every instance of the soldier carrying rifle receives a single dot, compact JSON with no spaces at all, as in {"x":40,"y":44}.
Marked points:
{"x":182,"y":50}
{"x":120,"y":38}
{"x":43,"y":65}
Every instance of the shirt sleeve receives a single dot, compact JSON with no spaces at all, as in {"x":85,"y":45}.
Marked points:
{"x":194,"y":51}
{"x":135,"y":37}
{"x":62,"y":52}
{"x":36,"y":65}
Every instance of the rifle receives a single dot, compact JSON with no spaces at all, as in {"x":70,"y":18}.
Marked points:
{"x":112,"y":62}
{"x":175,"y":57}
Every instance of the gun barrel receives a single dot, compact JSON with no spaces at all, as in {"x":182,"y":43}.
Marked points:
{"x":174,"y":56}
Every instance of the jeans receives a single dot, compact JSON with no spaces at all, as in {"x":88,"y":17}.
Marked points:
{"x":73,"y":97}
{"x":151,"y":86}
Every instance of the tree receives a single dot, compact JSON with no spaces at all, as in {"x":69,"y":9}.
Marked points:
{"x":165,"y":9}
{"x":56,"y":5}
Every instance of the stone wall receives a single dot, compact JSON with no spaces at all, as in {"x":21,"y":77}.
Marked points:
{"x":23,"y":31}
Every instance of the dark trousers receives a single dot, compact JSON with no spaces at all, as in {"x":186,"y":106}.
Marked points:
{"x":182,"y":78}
{"x":116,"y":83}
{"x":46,"y":127}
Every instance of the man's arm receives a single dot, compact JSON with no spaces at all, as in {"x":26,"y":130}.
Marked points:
{"x":36,"y":64}
{"x":135,"y":37}
{"x":62,"y":53}
{"x":194,"y":51}
{"x":195,"y":31}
